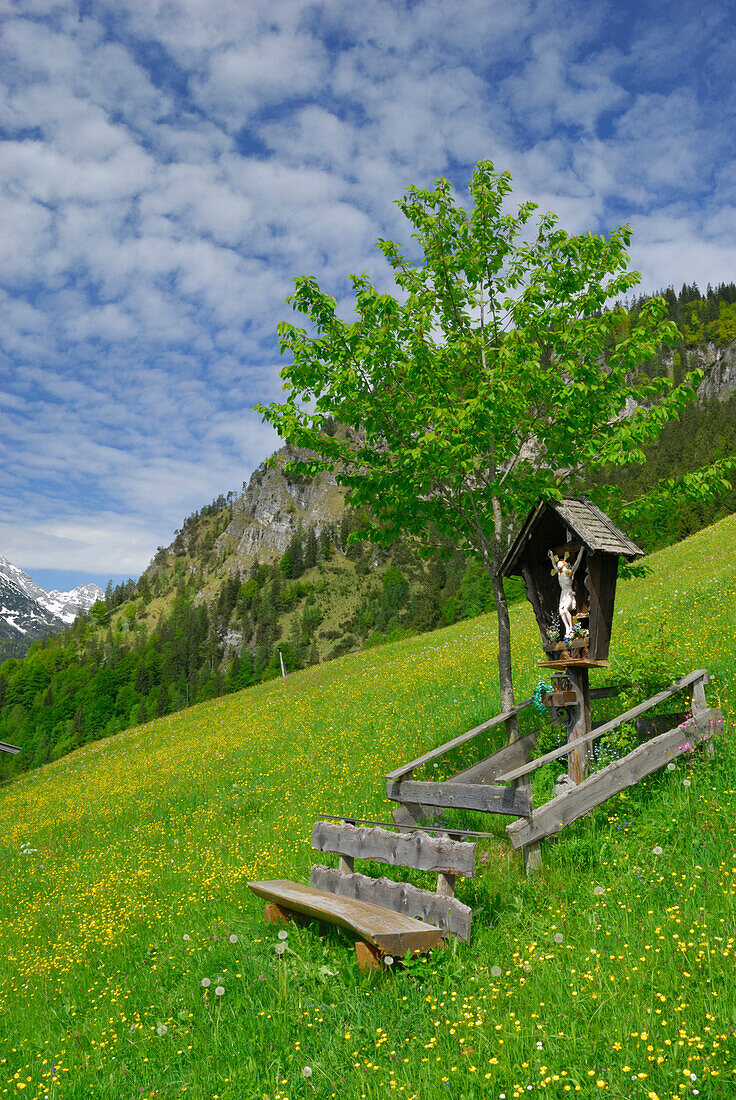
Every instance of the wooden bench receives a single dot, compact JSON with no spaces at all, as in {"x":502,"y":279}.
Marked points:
{"x":392,"y":918}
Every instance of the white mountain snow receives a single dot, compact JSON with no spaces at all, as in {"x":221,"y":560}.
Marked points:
{"x":27,"y":611}
{"x":67,"y":605}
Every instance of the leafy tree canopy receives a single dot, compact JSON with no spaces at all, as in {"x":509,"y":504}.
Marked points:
{"x":495,"y":374}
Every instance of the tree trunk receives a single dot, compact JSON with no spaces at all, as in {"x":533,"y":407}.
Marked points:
{"x":532,"y":852}
{"x":505,"y":674}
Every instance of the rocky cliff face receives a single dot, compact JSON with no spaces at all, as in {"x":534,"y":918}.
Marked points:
{"x":268,"y":512}
{"x":719,"y":364}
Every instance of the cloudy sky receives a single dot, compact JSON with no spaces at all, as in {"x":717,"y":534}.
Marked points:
{"x":168,"y":166}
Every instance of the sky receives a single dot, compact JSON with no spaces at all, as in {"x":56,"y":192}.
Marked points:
{"x":169,"y":166}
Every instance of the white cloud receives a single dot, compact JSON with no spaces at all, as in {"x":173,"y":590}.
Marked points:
{"x":171,"y":166}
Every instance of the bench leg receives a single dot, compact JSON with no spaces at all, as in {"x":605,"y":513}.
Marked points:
{"x":277,"y":914}
{"x":369,"y":957}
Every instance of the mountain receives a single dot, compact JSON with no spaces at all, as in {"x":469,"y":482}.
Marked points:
{"x":22,"y":618}
{"x":27,"y":612}
{"x":67,"y":605}
{"x":270,"y":573}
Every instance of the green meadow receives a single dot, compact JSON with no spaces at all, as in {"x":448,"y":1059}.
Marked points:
{"x":134,"y":962}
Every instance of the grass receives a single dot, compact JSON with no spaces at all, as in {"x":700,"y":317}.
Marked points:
{"x":124,"y":871}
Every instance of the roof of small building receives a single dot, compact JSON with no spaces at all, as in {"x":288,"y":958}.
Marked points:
{"x":587,"y":522}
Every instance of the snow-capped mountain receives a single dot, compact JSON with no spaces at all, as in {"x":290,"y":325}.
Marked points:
{"x":28,"y":612}
{"x":67,"y":605}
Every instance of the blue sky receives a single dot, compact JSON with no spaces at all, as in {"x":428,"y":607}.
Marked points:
{"x":168,"y":167}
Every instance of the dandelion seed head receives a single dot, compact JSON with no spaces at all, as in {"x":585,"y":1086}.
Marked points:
{"x":671,"y":766}
{"x":280,"y":948}
{"x":656,"y":850}
{"x":496,"y":971}
{"x":162,"y":1029}
{"x":219,"y":990}
{"x":307,"y":1072}
{"x":686,"y":782}
{"x":233,"y":938}
{"x":598,"y":890}
{"x":283,"y":934}
{"x":205,"y":983}
{"x":559,"y":937}
{"x":389,"y":960}
{"x":185,"y":936}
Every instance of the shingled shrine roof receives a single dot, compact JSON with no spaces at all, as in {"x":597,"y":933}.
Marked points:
{"x":587,"y":523}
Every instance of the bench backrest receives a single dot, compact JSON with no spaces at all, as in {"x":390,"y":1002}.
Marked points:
{"x":447,"y":858}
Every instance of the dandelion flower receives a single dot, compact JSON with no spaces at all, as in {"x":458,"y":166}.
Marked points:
{"x":496,"y":971}
{"x":559,"y":937}
{"x":219,"y":990}
{"x":205,"y":983}
{"x":162,"y":1029}
{"x":307,"y":1072}
{"x":283,"y":934}
{"x":233,"y":938}
{"x":656,"y":850}
{"x":598,"y":890}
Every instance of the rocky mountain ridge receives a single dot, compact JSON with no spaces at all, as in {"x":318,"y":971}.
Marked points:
{"x":27,"y":611}
{"x":267,"y":513}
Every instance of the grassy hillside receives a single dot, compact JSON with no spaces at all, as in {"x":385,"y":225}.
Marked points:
{"x":124,"y":888}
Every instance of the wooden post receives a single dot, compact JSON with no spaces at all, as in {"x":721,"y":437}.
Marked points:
{"x":368,"y":956}
{"x":578,"y":722}
{"x":533,"y":851}
{"x":699,"y":705}
{"x":445,"y":885}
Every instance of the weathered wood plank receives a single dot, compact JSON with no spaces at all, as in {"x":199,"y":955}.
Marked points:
{"x":510,"y":756}
{"x":606,"y":692}
{"x":599,"y":731}
{"x":392,"y":825}
{"x":393,"y":932}
{"x":412,"y":816}
{"x":652,"y":726}
{"x":598,"y":788}
{"x":463,"y":796}
{"x":5,"y":747}
{"x":446,"y":913}
{"x":425,"y":853}
{"x":461,"y":740}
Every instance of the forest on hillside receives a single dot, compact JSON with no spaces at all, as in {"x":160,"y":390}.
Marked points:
{"x":114,"y":668}
{"x":158,"y":644}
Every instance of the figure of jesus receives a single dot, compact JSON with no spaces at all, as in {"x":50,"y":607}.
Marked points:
{"x":565,"y":573}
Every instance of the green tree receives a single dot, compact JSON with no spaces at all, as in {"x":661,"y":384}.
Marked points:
{"x":496,"y":375}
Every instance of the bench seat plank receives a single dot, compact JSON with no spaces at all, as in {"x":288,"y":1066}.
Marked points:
{"x":393,"y":933}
